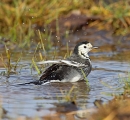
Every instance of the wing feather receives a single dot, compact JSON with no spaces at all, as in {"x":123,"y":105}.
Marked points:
{"x":50,"y":73}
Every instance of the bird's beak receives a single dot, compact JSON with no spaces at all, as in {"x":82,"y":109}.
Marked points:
{"x":95,"y":47}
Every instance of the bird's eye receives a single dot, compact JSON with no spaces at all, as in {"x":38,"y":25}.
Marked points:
{"x":85,"y":47}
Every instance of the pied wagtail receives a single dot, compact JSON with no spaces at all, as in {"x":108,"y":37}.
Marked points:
{"x":71,"y":69}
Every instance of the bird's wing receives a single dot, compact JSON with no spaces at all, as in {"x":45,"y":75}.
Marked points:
{"x":73,"y":63}
{"x":51,"y":73}
{"x":58,"y":70}
{"x":52,"y":68}
{"x":49,"y":62}
{"x":48,"y":74}
{"x":65,"y":62}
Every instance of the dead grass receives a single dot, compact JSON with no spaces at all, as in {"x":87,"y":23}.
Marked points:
{"x":19,"y":18}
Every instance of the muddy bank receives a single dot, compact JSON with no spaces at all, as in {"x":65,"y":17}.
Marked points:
{"x":76,"y":27}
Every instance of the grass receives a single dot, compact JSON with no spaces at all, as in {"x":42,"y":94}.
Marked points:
{"x":85,"y":78}
{"x":68,"y":96}
{"x":20,"y":19}
{"x":126,"y":82}
{"x":10,"y":68}
{"x":118,"y":108}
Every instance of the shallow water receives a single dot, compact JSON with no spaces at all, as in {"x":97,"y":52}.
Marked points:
{"x":111,"y":63}
{"x":32,"y":100}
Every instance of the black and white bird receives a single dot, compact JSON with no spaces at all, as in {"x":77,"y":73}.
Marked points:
{"x":71,"y":69}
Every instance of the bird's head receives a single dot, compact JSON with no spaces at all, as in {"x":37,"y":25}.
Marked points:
{"x":82,"y":49}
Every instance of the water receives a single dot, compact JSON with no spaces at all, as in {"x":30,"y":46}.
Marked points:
{"x":32,"y":100}
{"x":109,"y":67}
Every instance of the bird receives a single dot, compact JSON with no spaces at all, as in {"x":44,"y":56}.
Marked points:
{"x":71,"y":69}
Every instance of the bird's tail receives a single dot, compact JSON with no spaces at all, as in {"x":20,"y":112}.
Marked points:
{"x":37,"y":82}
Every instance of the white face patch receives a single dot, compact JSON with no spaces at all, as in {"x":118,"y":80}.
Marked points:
{"x":84,"y":49}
